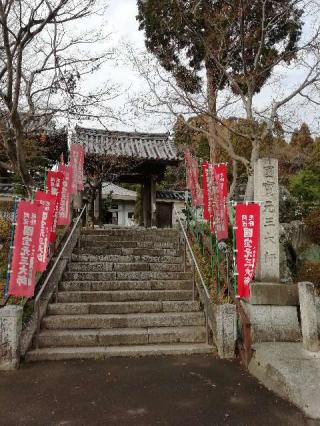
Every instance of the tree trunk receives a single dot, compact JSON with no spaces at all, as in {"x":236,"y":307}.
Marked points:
{"x":212,"y":110}
{"x":250,"y":184}
{"x":21,"y":167}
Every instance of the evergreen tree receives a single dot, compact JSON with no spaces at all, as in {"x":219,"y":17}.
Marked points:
{"x":301,"y":138}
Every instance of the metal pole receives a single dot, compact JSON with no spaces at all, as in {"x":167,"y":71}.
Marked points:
{"x":194,"y":284}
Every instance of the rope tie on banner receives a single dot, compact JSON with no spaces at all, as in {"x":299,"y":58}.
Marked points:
{"x":16,"y":200}
{"x":234,"y":250}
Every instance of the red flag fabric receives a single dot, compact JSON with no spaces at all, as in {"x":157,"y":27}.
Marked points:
{"x":247,"y":220}
{"x":26,"y":238}
{"x":197,"y":193}
{"x":192,"y":174}
{"x":64,"y":209}
{"x":188,"y":162}
{"x":75,"y":163}
{"x":80,"y":170}
{"x":219,"y":211}
{"x":54,"y":187}
{"x":48,"y":202}
{"x":206,"y":214}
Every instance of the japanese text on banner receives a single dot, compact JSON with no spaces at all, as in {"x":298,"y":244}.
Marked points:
{"x":64,"y":209}
{"x":218,"y":196}
{"x":26,"y":238}
{"x":48,"y":202}
{"x":247,"y":219}
{"x":54,"y":187}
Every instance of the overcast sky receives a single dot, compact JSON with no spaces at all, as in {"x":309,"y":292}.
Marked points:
{"x":120,"y":21}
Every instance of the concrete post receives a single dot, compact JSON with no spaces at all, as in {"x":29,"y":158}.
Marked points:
{"x":266,"y":191}
{"x":308,"y":312}
{"x":10,"y":330}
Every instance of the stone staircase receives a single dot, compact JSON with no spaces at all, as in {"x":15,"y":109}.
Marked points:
{"x":124,"y":293}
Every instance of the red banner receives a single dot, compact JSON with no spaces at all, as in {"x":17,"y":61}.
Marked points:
{"x":80,"y":170}
{"x":26,"y":239}
{"x":192,"y":174}
{"x":189,"y":177}
{"x":75,"y":161}
{"x":219,"y":192}
{"x":48,"y":202}
{"x":206,"y":214}
{"x":54,"y":187}
{"x":64,"y":208}
{"x":247,"y":220}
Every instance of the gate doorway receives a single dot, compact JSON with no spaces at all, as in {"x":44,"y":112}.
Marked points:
{"x":164,"y":215}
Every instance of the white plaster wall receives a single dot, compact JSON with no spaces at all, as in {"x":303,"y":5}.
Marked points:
{"x":179,"y":206}
{"x":123,"y":210}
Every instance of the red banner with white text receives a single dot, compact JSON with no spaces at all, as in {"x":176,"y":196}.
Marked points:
{"x":64,"y":209}
{"x":80,"y":169}
{"x":247,"y":221}
{"x":54,"y":187}
{"x":218,"y":198}
{"x":48,"y":202}
{"x":26,"y":239}
{"x":76,"y":152}
{"x":205,"y":194}
{"x":192,"y":175}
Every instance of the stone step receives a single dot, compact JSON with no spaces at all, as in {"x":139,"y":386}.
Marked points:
{"x":125,"y":285}
{"x":167,"y":319}
{"x":125,"y":259}
{"x":122,"y":336}
{"x":123,"y":267}
{"x":130,"y":244}
{"x":98,"y":352}
{"x":121,"y":307}
{"x":138,"y":233}
{"x":134,"y":251}
{"x":123,"y":296}
{"x":123,"y":276}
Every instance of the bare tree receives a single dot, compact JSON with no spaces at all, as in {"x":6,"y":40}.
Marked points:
{"x":46,"y":48}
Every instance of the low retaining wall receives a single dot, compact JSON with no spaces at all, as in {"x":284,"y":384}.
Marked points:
{"x":15,"y":342}
{"x":29,"y":331}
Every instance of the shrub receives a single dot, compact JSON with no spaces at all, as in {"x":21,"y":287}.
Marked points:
{"x":312,"y":222}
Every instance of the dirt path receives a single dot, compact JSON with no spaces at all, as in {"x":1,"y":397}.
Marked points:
{"x":194,"y":390}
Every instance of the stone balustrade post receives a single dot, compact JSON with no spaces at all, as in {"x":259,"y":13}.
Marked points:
{"x":10,"y":330}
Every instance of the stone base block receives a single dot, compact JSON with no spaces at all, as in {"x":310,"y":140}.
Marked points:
{"x":273,"y":323}
{"x":10,"y":330}
{"x":274,"y":294}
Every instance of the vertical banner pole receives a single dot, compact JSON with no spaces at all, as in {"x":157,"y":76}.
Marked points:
{"x":11,"y":247}
{"x":211,"y":256}
{"x":234,"y":251}
{"x":218,"y":265}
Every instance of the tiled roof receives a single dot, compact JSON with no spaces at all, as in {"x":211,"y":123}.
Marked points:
{"x":149,"y":146}
{"x":171,"y":195}
{"x":118,"y":192}
{"x":6,"y":188}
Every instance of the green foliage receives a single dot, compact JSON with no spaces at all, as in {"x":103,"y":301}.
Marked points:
{"x":305,"y":185}
{"x":183,"y":35}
